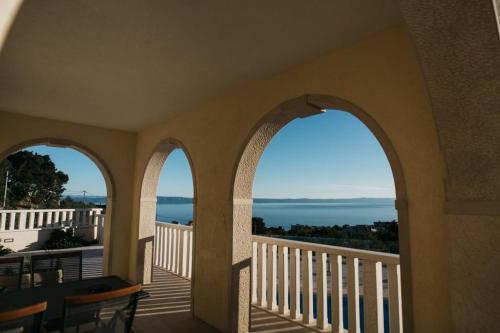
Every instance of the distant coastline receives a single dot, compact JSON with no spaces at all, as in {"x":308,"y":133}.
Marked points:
{"x":187,"y":200}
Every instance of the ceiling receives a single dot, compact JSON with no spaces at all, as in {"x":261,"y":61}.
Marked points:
{"x":128,"y":64}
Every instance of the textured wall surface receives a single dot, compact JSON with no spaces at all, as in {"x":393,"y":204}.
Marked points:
{"x":459,"y":49}
{"x":216,"y":133}
{"x":112,"y":151}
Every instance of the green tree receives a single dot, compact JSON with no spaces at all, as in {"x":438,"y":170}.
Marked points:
{"x":34,"y":181}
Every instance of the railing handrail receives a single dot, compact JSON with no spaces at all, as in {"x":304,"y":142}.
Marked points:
{"x":175,"y":226}
{"x":387,"y":258}
{"x":48,"y":209}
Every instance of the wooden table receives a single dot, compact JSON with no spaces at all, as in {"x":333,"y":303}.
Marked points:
{"x":54,"y":295}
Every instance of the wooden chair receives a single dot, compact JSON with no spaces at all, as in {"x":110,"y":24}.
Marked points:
{"x":110,"y":311}
{"x":56,"y":268}
{"x":11,"y":272}
{"x":27,"y":320}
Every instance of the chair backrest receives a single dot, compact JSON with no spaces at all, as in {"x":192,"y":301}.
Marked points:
{"x":27,"y":320}
{"x":110,"y":311}
{"x":11,"y":271}
{"x":56,"y":268}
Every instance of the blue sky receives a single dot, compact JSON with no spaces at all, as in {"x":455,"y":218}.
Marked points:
{"x":83,"y":173}
{"x":332,"y":155}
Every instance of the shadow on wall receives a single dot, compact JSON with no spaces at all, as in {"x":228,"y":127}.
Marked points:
{"x":143,"y":245}
{"x":243,"y":267}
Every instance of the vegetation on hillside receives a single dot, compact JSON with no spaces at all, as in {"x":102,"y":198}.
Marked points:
{"x":379,"y":236}
{"x":69,"y":202}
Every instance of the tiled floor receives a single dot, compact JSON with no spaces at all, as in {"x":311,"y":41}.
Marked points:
{"x":167,"y":310}
{"x":265,"y":322}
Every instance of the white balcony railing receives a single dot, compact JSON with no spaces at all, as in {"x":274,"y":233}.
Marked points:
{"x":309,"y":283}
{"x":174,"y":248}
{"x":29,"y":229}
{"x":29,"y":219}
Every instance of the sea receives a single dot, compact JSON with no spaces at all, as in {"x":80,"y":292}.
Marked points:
{"x":286,"y":212}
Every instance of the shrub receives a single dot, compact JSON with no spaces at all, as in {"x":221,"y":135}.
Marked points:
{"x":60,"y":239}
{"x":4,"y":250}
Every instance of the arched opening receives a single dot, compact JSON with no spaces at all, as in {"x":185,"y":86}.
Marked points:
{"x":302,"y":281}
{"x":58,"y":196}
{"x":167,"y":213}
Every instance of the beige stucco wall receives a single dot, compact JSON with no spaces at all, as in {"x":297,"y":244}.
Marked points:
{"x":380,"y":75}
{"x":114,"y":153}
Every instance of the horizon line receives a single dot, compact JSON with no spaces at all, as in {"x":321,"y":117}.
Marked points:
{"x":258,"y":198}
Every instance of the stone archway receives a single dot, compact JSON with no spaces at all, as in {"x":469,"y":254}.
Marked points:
{"x":244,"y":173}
{"x":99,"y":162}
{"x":147,"y":206}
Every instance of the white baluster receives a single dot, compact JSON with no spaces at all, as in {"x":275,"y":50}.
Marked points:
{"x":321,"y":291}
{"x":100,"y":223}
{"x":179,"y":252}
{"x":162,"y":260}
{"x":49,"y":219}
{"x":56,"y":218}
{"x":175,"y":245}
{"x":183,"y":269}
{"x":91,"y":217}
{"x":254,"y":273}
{"x":39,"y":223}
{"x":353,"y":294}
{"x":283,"y":280}
{"x":170,"y":249}
{"x":262,"y":278}
{"x":295,"y":283}
{"x":12,"y":221}
{"x":307,"y":287}
{"x":337,"y":294}
{"x":271,"y":276}
{"x":395,"y":304}
{"x":373,"y":297}
{"x":156,"y":247}
{"x":31,"y":223}
{"x":164,"y":246}
{"x":64,"y":218}
{"x":190,"y":254}
{"x":3,"y":217}
{"x":71,"y":218}
{"x":159,"y":245}
{"x":22,"y":220}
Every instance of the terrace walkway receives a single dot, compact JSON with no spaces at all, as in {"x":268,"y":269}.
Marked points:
{"x":168,"y":308}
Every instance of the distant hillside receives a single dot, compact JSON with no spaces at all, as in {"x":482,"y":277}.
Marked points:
{"x":97,"y":199}
{"x":185,"y":200}
{"x":307,"y":200}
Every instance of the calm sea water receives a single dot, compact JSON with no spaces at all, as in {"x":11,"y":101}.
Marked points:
{"x":353,"y":211}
